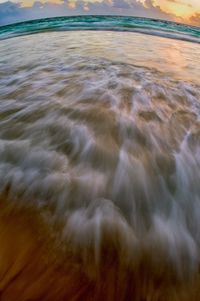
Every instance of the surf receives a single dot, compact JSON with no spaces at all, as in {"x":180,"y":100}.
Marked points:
{"x":99,"y":167}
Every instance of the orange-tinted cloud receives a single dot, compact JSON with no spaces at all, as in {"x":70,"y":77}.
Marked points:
{"x":180,"y":8}
{"x":71,"y":4}
{"x":12,"y":12}
{"x":195,"y":19}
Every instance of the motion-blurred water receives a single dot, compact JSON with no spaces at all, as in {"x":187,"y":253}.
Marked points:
{"x":100,"y":143}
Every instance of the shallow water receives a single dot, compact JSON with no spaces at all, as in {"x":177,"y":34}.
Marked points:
{"x":99,"y":167}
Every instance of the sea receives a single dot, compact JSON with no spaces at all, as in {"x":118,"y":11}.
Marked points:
{"x":99,"y":160}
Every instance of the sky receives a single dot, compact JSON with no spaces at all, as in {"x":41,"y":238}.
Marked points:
{"x":186,"y":11}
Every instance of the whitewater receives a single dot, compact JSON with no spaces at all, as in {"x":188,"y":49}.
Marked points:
{"x":99,"y":160}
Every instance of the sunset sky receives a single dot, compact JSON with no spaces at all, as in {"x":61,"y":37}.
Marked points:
{"x":187,"y":11}
{"x":181,"y":8}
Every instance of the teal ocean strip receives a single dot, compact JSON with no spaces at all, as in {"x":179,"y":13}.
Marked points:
{"x":112,"y":23}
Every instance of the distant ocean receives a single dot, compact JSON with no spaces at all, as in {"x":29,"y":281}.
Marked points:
{"x":112,"y":23}
{"x":99,"y":160}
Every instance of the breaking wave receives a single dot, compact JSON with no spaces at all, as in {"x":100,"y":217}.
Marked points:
{"x":155,"y":27}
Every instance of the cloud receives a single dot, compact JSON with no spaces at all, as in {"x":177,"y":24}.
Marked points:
{"x":14,"y":12}
{"x":10,"y":9}
{"x":155,"y":11}
{"x":195,"y":19}
{"x":121,"y":4}
{"x":180,"y":2}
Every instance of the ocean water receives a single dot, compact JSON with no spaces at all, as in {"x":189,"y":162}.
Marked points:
{"x":99,"y":160}
{"x":110,"y":23}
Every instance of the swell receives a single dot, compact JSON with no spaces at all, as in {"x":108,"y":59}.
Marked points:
{"x":104,"y":23}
